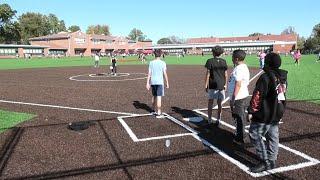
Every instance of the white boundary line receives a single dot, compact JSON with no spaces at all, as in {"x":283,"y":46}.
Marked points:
{"x":65,"y":107}
{"x":312,"y":161}
{"x":136,"y":139}
{"x":73,"y":78}
{"x":107,"y":75}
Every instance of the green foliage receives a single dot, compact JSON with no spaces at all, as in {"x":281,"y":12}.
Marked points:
{"x":33,"y":25}
{"x":289,"y":30}
{"x":56,"y":25}
{"x":98,"y":29}
{"x":136,"y":35}
{"x":164,"y":41}
{"x":9,"y":30}
{"x":74,"y":28}
{"x":6,"y":13}
{"x":256,"y":34}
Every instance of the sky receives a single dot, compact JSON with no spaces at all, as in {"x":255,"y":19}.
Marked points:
{"x":182,"y":18}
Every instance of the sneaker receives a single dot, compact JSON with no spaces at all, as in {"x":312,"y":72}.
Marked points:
{"x":263,"y":166}
{"x":217,"y":123}
{"x":273,"y":164}
{"x":238,"y":140}
{"x":153,"y":113}
{"x":159,"y":116}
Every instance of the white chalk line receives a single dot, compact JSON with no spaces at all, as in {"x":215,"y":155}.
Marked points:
{"x":73,"y":78}
{"x":136,"y":139}
{"x":312,"y":161}
{"x":109,"y":75}
{"x":65,"y":107}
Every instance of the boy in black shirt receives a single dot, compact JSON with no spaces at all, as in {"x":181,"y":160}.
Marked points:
{"x":265,"y":111}
{"x":215,"y":81}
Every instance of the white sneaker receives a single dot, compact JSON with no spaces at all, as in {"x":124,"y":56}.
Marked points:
{"x":159,"y":116}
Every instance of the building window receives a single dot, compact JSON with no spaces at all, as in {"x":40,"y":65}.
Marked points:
{"x":7,"y":51}
{"x":79,"y":40}
{"x":32,"y":51}
{"x":96,"y":41}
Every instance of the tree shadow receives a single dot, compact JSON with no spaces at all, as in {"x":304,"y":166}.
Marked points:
{"x":139,"y":105}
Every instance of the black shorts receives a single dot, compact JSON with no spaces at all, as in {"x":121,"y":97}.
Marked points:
{"x":157,"y":90}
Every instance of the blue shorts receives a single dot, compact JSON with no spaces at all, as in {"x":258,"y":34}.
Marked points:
{"x":157,"y":90}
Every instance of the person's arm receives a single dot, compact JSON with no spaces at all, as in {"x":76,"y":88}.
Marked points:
{"x":148,"y":79}
{"x":207,"y":80}
{"x":166,"y":77}
{"x":226,"y":80}
{"x":236,"y":90}
{"x":257,"y":98}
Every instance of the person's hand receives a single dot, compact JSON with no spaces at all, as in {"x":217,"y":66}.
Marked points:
{"x":225,"y":87}
{"x":231,"y":104}
{"x":167,"y":86}
{"x":249,"y":117}
{"x":207,"y":89}
{"x":148,"y":86}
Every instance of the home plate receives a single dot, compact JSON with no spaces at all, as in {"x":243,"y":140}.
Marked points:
{"x":193,"y":119}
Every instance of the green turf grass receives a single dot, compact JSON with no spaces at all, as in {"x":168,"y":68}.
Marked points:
{"x":11,"y":119}
{"x":303,"y":80}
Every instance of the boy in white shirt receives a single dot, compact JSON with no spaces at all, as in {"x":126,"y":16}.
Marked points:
{"x":155,"y":81}
{"x":238,"y":92}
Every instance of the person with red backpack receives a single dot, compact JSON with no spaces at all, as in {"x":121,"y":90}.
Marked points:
{"x":266,"y":109}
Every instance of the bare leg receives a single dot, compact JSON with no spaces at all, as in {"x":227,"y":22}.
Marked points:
{"x":210,"y":104}
{"x":154,"y":101}
{"x":159,"y":104}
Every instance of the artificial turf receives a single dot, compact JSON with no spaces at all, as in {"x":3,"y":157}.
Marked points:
{"x":303,"y":80}
{"x":10,"y":119}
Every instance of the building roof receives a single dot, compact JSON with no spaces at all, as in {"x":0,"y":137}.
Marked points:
{"x":61,"y":35}
{"x":21,"y":46}
{"x":282,"y":37}
{"x":222,"y":44}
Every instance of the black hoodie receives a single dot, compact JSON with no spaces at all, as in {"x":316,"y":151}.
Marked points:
{"x":264,"y":103}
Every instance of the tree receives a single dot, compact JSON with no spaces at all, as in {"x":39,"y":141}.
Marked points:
{"x":74,"y":28}
{"x":9,"y":30}
{"x":300,"y":42}
{"x":316,"y":31}
{"x":176,"y":40}
{"x":98,"y":29}
{"x":56,"y":25}
{"x":289,"y":30}
{"x":256,"y":34}
{"x":164,"y":41}
{"x":136,"y":35}
{"x":33,"y":25}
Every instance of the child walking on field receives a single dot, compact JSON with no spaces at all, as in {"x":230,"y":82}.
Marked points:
{"x":157,"y":70}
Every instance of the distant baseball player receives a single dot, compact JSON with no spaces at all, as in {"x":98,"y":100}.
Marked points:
{"x":157,"y":70}
{"x":96,"y":62}
{"x":114,"y":65}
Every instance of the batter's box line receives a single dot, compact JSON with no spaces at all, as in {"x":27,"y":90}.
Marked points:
{"x":136,"y":139}
{"x":311,"y":161}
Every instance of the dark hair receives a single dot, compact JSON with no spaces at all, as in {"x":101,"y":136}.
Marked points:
{"x":217,"y":50}
{"x":157,"y":52}
{"x":272,"y":60}
{"x":239,"y":54}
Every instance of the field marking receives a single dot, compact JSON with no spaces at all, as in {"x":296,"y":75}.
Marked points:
{"x":136,"y":139}
{"x":74,"y":78}
{"x":312,"y":161}
{"x":65,"y":107}
{"x":109,"y":75}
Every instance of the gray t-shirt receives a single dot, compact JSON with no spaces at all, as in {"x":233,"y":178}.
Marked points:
{"x":156,"y":69}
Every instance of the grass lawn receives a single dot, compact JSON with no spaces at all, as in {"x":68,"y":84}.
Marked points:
{"x":11,"y":119}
